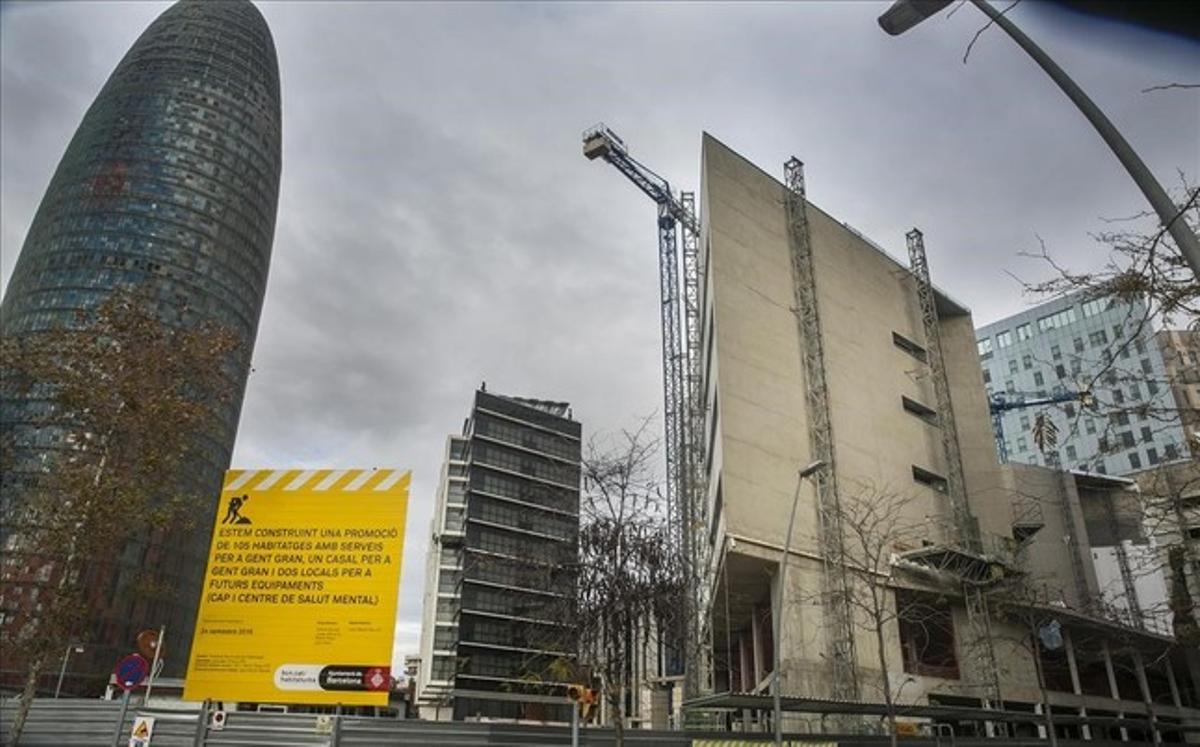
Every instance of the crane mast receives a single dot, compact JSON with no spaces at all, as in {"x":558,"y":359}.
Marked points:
{"x":682,"y":395}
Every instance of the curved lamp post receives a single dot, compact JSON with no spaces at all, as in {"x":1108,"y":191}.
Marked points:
{"x":904,"y":14}
{"x":778,"y":647}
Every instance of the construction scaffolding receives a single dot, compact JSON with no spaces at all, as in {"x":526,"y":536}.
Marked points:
{"x":1071,"y":537}
{"x":975,"y":569}
{"x":1136,"y":618}
{"x":956,"y":488}
{"x":838,"y":614}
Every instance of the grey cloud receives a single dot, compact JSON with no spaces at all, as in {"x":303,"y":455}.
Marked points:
{"x":438,"y":225}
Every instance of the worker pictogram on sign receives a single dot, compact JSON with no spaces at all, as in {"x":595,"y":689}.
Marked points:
{"x":143,"y":729}
{"x":233,"y":510}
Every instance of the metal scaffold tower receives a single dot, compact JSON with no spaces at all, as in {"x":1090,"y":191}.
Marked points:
{"x":956,"y":488}
{"x":979,"y":622}
{"x":836,"y":597}
{"x":1070,"y":536}
{"x":976,"y":572}
{"x":1137,"y":619}
{"x":683,"y":412}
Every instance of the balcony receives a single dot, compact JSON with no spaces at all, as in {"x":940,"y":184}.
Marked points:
{"x":944,"y":551}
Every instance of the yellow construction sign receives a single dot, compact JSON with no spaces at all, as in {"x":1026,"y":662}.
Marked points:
{"x":299,"y":600}
{"x":143,"y":729}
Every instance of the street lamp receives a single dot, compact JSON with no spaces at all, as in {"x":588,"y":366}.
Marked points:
{"x":904,"y":14}
{"x":779,"y":598}
{"x":74,"y":647}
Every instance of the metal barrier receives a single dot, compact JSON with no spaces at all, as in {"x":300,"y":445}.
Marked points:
{"x":93,"y":723}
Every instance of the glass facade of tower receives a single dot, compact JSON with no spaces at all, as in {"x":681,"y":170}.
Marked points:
{"x":500,"y":578}
{"x":170,"y":186}
{"x":1099,"y":345}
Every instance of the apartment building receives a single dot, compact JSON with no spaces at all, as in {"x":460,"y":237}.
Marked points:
{"x":498,"y":574}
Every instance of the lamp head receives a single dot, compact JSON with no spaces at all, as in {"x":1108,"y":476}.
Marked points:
{"x":812,"y":468}
{"x":904,"y":14}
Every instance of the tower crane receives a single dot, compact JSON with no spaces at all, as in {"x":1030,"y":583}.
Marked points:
{"x":1002,"y":402}
{"x":682,"y":397}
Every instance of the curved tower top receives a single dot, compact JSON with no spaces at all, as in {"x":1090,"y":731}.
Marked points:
{"x":170,"y":185}
{"x":171,"y":179}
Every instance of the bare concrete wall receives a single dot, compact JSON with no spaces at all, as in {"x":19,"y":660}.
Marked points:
{"x":763,"y":428}
{"x":759,"y":392}
{"x":864,"y":297}
{"x":757,"y":386}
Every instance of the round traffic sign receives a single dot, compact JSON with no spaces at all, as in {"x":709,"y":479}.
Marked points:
{"x":131,"y":671}
{"x":148,"y":643}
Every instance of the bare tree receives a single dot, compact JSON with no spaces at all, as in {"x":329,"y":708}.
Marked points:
{"x":1020,"y":600}
{"x":101,"y":419}
{"x":1130,"y":399}
{"x":1145,"y":271}
{"x":629,"y":576}
{"x":1038,"y":630}
{"x":877,"y":524}
{"x":1143,"y":264}
{"x":1169,"y":507}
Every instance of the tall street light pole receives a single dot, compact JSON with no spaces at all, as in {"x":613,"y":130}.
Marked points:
{"x":779,"y":600}
{"x":904,"y":14}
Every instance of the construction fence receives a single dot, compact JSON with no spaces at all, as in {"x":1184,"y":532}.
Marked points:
{"x":75,"y":722}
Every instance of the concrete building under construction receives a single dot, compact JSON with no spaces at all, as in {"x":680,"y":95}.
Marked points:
{"x":920,"y":570}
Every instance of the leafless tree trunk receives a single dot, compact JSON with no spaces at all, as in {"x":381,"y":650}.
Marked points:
{"x":628,"y":576}
{"x":875,"y":524}
{"x":887,"y":689}
{"x":32,"y":675}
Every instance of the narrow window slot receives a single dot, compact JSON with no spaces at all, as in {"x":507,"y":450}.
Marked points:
{"x":921,"y":411}
{"x":910,"y":347}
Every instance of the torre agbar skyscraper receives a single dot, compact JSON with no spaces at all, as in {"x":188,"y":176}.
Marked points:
{"x":170,"y":185}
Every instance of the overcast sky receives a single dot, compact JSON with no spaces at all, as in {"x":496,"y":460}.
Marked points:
{"x":439,"y":227}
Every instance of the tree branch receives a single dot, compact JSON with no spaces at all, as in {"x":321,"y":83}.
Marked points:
{"x":986,"y":26}
{"x":1167,"y":86}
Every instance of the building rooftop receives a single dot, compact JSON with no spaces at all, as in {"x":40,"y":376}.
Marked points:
{"x":946,"y":304}
{"x":558,"y":409}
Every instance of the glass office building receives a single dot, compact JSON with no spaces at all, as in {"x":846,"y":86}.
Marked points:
{"x":1073,"y":344}
{"x":169,"y":185}
{"x":499,"y":577}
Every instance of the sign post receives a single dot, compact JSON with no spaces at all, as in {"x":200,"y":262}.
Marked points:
{"x":150,"y":641}
{"x":129,"y":672}
{"x":300,"y":591}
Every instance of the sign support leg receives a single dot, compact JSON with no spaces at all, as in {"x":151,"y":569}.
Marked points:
{"x":574,"y":725}
{"x":201,"y":725}
{"x":121,"y":720}
{"x":162,"y":631}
